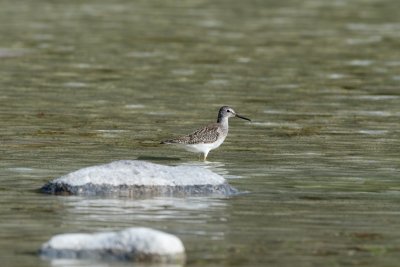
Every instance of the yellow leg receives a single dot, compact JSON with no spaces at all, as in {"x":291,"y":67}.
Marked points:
{"x":205,"y":155}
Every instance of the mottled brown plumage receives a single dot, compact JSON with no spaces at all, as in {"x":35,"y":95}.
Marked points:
{"x":207,"y":134}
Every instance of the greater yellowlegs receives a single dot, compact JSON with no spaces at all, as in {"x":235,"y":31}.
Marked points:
{"x":209,"y":137}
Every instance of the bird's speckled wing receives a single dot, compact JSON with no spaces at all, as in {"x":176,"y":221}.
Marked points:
{"x":208,"y":134}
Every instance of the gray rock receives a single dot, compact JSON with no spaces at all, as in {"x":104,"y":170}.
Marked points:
{"x":132,"y":244}
{"x":140,"y":178}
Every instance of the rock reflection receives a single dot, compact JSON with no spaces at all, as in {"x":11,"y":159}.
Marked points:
{"x":90,"y":263}
{"x":125,"y":211}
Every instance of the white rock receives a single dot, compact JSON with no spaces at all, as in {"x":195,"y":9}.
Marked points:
{"x":136,"y":172}
{"x":139,"y":177}
{"x":136,"y":244}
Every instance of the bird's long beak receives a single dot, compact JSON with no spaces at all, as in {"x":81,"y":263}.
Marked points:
{"x":237,"y":115}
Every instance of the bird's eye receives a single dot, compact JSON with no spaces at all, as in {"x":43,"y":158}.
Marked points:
{"x":228,"y":110}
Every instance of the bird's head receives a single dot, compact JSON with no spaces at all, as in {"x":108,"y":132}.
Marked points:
{"x":228,"y":112}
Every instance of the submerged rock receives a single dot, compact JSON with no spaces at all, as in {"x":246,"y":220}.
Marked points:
{"x":138,"y":178}
{"x":132,"y":244}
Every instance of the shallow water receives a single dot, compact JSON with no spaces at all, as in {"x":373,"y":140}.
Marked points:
{"x":88,"y":82}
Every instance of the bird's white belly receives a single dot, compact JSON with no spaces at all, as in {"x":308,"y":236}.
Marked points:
{"x":204,"y":148}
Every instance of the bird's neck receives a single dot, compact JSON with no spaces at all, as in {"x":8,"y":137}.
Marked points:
{"x":223,"y":121}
